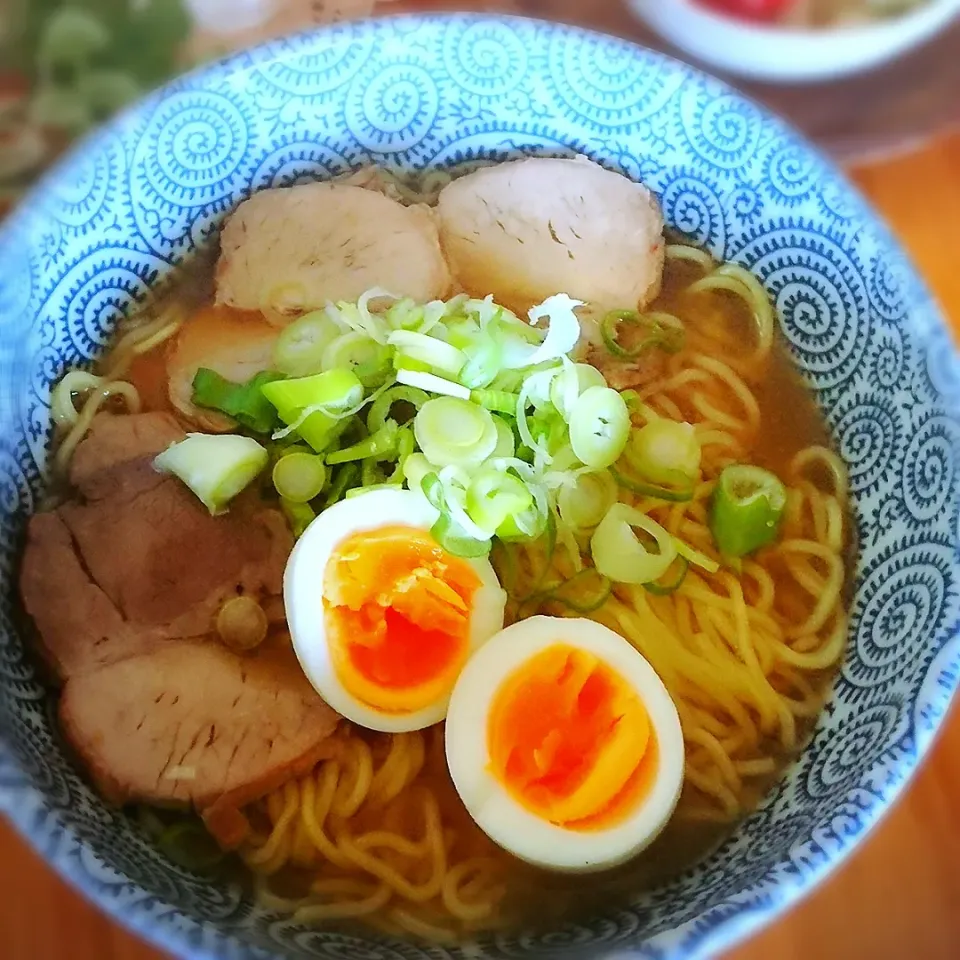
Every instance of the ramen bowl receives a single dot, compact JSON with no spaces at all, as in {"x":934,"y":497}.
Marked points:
{"x":143,"y":195}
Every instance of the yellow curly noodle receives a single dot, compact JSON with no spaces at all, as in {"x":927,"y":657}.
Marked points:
{"x":745,"y":654}
{"x":377,"y":832}
{"x":71,"y":424}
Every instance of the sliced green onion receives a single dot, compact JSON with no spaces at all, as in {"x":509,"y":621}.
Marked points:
{"x":433,"y":384}
{"x":428,"y":350}
{"x":449,"y":530}
{"x":681,"y":493}
{"x":244,"y":402}
{"x":455,"y":432}
{"x":585,"y":592}
{"x":498,"y":401}
{"x":550,"y":431}
{"x":532,"y":523}
{"x":216,"y":467}
{"x":660,"y":589}
{"x":368,"y":360}
{"x":506,"y":441}
{"x":609,"y":330}
{"x":584,"y":502}
{"x":406,"y":314}
{"x":299,"y":516}
{"x":347,"y":477}
{"x":746,"y":509}
{"x":494,"y":496}
{"x":334,"y":391}
{"x":381,"y":445}
{"x":381,"y":408}
{"x":663,"y":451}
{"x":535,"y":391}
{"x":574,"y":380}
{"x":452,"y":538}
{"x":283,"y":448}
{"x":565,"y":388}
{"x":358,"y":317}
{"x":299,"y":477}
{"x":406,"y":444}
{"x":661,"y":330}
{"x":563,"y":333}
{"x":632,"y":399}
{"x":312,"y":405}
{"x":432,"y":488}
{"x":415,"y":469}
{"x":462,"y":332}
{"x":370,"y":473}
{"x":300,"y":348}
{"x":695,"y":557}
{"x":618,"y":553}
{"x":599,"y":427}
{"x":409,"y":365}
{"x":484,"y":360}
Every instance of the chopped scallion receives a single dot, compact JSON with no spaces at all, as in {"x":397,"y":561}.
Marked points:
{"x":381,"y":445}
{"x":599,"y":427}
{"x":366,"y":359}
{"x":346,"y":478}
{"x":585,"y":592}
{"x":746,"y":509}
{"x":666,"y":453}
{"x":661,"y":330}
{"x":299,"y":516}
{"x":215,"y":466}
{"x":312,"y":405}
{"x":584,"y":502}
{"x":244,"y":402}
{"x":455,"y":432}
{"x":659,"y":588}
{"x":619,"y":554}
{"x":299,"y":477}
{"x":300,"y":348}
{"x":494,"y":496}
{"x":382,"y":407}
{"x":430,"y":351}
{"x":497,"y":401}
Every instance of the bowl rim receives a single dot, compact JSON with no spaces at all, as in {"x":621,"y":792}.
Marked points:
{"x":728,"y":928}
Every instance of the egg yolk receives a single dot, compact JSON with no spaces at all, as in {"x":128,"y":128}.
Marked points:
{"x":397,"y":611}
{"x":570,"y":740}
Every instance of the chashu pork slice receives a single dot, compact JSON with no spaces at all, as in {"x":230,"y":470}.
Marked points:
{"x":135,"y":558}
{"x":123,"y":583}
{"x":193,"y":722}
{"x":289,"y":250}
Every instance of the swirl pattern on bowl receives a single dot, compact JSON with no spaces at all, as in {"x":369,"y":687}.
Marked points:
{"x":144,"y":194}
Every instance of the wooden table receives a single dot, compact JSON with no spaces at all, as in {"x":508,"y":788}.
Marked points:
{"x":898,"y":898}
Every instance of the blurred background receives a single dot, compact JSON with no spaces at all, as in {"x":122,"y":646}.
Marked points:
{"x":875,"y":83}
{"x":861,"y":77}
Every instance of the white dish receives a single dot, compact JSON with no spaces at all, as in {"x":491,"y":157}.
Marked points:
{"x":791,"y":55}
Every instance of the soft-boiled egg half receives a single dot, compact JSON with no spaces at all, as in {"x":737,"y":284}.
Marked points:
{"x":382,"y":618}
{"x":564,"y":745}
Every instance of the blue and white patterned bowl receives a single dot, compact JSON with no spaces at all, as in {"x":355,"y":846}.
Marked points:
{"x":137,"y":199}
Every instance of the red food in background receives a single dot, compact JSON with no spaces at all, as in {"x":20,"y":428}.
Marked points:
{"x":762,"y":11}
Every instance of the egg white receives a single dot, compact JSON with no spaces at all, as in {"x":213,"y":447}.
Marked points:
{"x":506,"y":821}
{"x":303,"y":599}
